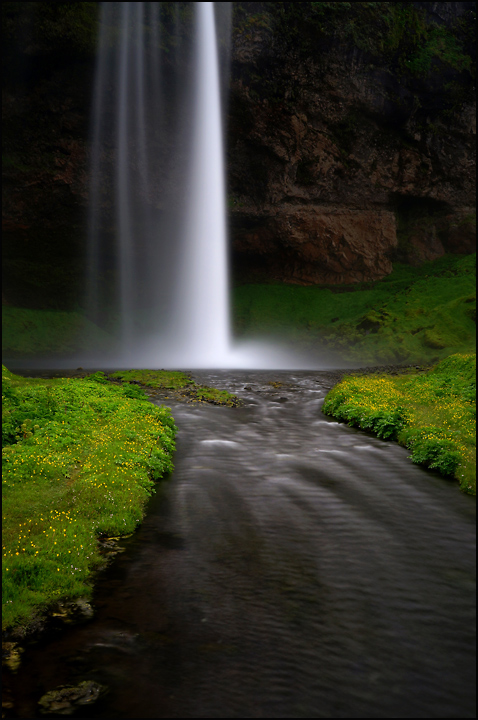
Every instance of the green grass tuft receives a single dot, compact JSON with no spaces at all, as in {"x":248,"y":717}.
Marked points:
{"x":432,"y":413}
{"x":182,"y":384}
{"x":79,"y":459}
{"x":164,"y":379}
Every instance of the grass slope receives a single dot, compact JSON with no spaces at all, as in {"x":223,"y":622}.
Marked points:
{"x":79,"y":460}
{"x":432,"y":413}
{"x":40,"y":332}
{"x":414,"y":315}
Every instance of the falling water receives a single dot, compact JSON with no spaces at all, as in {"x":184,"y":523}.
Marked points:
{"x":127,"y":217}
{"x":202,"y":300}
{"x":157,"y":226}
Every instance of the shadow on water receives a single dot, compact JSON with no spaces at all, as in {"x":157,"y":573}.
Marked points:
{"x":291,"y":567}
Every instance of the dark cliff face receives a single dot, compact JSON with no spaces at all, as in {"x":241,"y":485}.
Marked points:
{"x":45,"y":190}
{"x":48,"y":52}
{"x":351,"y":141}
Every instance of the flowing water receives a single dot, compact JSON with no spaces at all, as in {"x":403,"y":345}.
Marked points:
{"x":291,"y":567}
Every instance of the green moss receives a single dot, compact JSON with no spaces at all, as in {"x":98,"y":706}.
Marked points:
{"x":433,"y":339}
{"x":398,"y":33}
{"x":68,"y":28}
{"x":79,"y":460}
{"x":181,"y":385}
{"x":469,"y":219}
{"x":438,"y":43}
{"x":432,"y":413}
{"x":414,"y":315}
{"x":399,"y":38}
{"x":41,"y":332}
{"x":170,"y":380}
{"x":10,"y":161}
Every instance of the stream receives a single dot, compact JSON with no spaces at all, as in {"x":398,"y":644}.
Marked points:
{"x":292,"y":567}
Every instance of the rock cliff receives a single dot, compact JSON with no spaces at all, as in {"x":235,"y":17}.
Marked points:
{"x":350,"y":146}
{"x":351,"y":141}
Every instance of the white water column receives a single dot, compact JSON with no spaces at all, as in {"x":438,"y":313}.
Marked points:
{"x":201,"y":329}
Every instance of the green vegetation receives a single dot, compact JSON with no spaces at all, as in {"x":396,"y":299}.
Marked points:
{"x":405,"y":41}
{"x":11,"y":162}
{"x":155,"y":378}
{"x":68,"y":28}
{"x":37,"y":332}
{"x":399,"y":33}
{"x":433,"y":414}
{"x":80,"y":458}
{"x":440,"y":44}
{"x":414,"y":315}
{"x":183,"y":385}
{"x":418,"y":315}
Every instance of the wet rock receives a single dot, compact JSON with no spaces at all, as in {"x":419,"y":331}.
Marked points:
{"x":109,"y":548}
{"x":425,"y":246}
{"x":11,"y":655}
{"x":7,"y":704}
{"x":67,"y":698}
{"x":328,"y":128}
{"x":461,"y":236}
{"x":337,"y":130}
{"x":322,"y":244}
{"x":84,"y":608}
{"x":73,"y":611}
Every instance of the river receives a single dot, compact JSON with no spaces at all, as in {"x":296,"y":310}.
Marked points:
{"x":292,"y":567}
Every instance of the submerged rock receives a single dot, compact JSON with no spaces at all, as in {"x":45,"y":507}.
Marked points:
{"x":73,"y":611}
{"x":11,"y":655}
{"x":67,"y":698}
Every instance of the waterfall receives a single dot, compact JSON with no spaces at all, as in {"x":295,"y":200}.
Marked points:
{"x":157,"y":251}
{"x":150,"y":207}
{"x":202,"y":333}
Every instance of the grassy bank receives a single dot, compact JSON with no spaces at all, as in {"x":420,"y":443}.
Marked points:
{"x":79,"y":459}
{"x":431,"y":413}
{"x":417,"y":315}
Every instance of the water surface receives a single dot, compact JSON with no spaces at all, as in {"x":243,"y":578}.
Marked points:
{"x":291,"y":567}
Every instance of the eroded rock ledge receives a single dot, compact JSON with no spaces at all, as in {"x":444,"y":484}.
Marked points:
{"x":317,"y":244}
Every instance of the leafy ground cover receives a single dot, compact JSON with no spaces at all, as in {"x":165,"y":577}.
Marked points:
{"x":38,"y":332}
{"x":417,"y":315}
{"x":432,"y":413}
{"x":79,"y":458}
{"x":180,"y":384}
